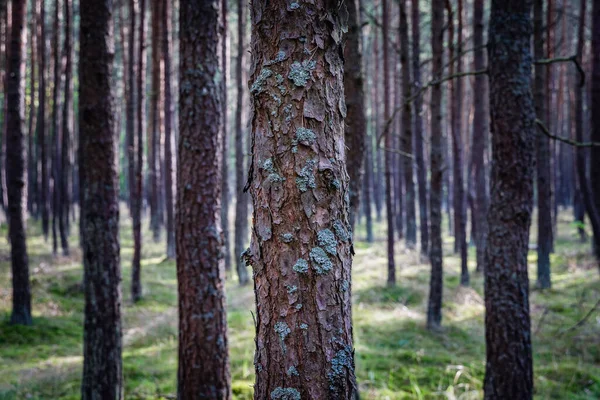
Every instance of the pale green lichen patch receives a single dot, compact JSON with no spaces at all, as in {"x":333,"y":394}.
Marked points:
{"x":281,"y":56}
{"x":305,"y":136}
{"x":336,"y":184}
{"x":291,"y":288}
{"x":345,"y":285}
{"x":287,"y":237}
{"x":298,"y":306}
{"x":300,"y":73}
{"x":272,"y":176}
{"x":342,"y":360}
{"x":303,"y":326}
{"x":292,"y":371}
{"x":306,"y":178}
{"x":294,"y":5}
{"x":285,"y":394}
{"x":341,"y":231}
{"x":301,"y":266}
{"x":258,"y":85}
{"x":282,"y":329}
{"x":327,"y":241}
{"x":321,"y":262}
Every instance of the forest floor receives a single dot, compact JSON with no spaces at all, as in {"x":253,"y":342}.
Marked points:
{"x":396,"y":357}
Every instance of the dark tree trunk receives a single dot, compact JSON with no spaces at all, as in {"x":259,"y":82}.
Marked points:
{"x":155,"y":128}
{"x":406,"y":134}
{"x":16,"y":173}
{"x":31,"y":154}
{"x":595,"y":128}
{"x":459,"y":197}
{"x":418,"y":123}
{"x":168,"y":104}
{"x":6,"y":10}
{"x":480,"y":135}
{"x":301,"y":245}
{"x":136,"y":269}
{"x":355,"y":125}
{"x":56,"y":131}
{"x":368,"y":188}
{"x":130,"y":104}
{"x":67,"y":129}
{"x":544,"y":178}
{"x":509,"y":366}
{"x":434,"y":309}
{"x":203,"y":356}
{"x":102,"y":364}
{"x":41,"y":124}
{"x":389,"y":144}
{"x":377,"y":182}
{"x":241,"y":203}
{"x":225,"y":193}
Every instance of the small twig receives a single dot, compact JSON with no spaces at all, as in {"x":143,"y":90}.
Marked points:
{"x":420,"y":92}
{"x":583,"y":320}
{"x":402,"y":153}
{"x":573,"y":59}
{"x":546,"y":132}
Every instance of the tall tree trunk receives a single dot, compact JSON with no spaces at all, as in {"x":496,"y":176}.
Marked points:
{"x":67,"y":129}
{"x":544,"y":172}
{"x":136,"y":284}
{"x":130,"y":104}
{"x":225,"y":193}
{"x":155,"y":128}
{"x":434,"y":309}
{"x":389,"y":195}
{"x":480,"y":135}
{"x":241,"y":203}
{"x":459,"y":197}
{"x":41,"y":124}
{"x":406,"y":134}
{"x":418,"y":123}
{"x":31,"y":153}
{"x":6,"y":10}
{"x":203,"y":357}
{"x":377,"y":183}
{"x":102,"y":364}
{"x":356,"y":125}
{"x":168,"y":104}
{"x":16,"y":173}
{"x":56,"y":131}
{"x":509,"y":366}
{"x":595,"y":128}
{"x":301,"y":245}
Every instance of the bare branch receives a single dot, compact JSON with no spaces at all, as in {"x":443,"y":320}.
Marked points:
{"x":573,"y":59}
{"x":546,"y":132}
{"x":420,"y":92}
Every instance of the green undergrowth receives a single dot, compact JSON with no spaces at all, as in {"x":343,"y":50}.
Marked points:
{"x":396,"y":357}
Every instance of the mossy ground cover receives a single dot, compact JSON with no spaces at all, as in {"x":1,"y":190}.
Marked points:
{"x":396,"y":357}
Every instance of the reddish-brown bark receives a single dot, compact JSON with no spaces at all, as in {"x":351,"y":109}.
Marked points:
{"x":301,"y":241}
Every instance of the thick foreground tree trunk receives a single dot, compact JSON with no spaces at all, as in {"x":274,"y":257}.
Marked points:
{"x":225,"y":192}
{"x":434,"y":309}
{"x":203,"y":357}
{"x":16,"y":173}
{"x":301,"y":244}
{"x":102,"y":338}
{"x":509,"y":366}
